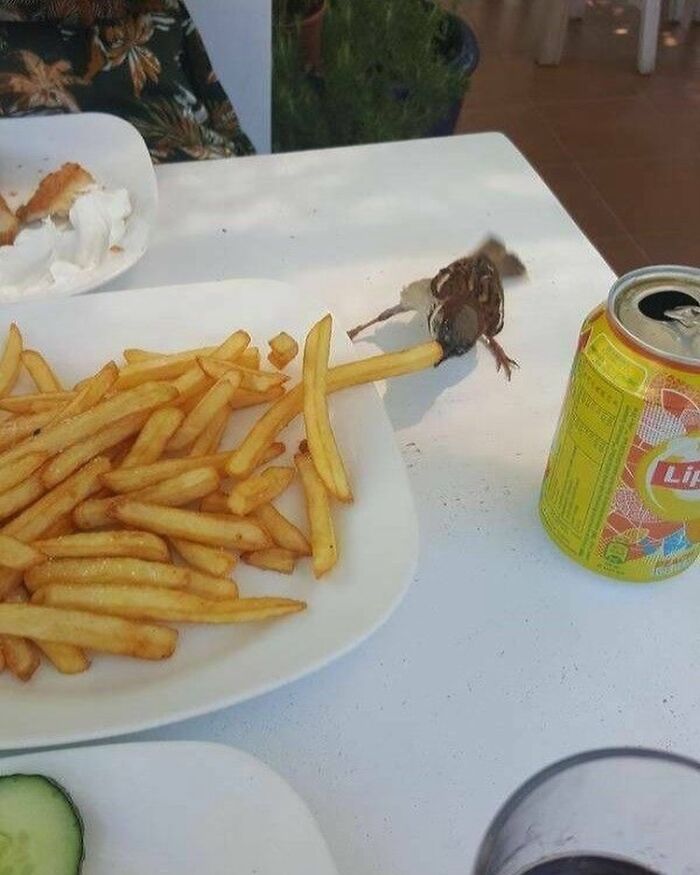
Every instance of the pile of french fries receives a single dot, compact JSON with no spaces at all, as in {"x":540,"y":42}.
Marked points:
{"x":121,"y":515}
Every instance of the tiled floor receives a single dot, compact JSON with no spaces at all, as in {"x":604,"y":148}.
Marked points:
{"x":620,"y":150}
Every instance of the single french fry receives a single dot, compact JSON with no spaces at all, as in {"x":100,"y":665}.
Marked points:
{"x":249,"y":358}
{"x":132,"y":544}
{"x":89,"y":392}
{"x":254,"y":381}
{"x":21,"y":496}
{"x":62,"y":526}
{"x":154,"y":436}
{"x":272,"y":559}
{"x":72,"y":458}
{"x":20,"y":427}
{"x":244,"y":398}
{"x":131,"y":572}
{"x":319,"y":434}
{"x":215,"y":400}
{"x":182,"y":489}
{"x":58,"y":436}
{"x":284,"y":533}
{"x":66,"y":658}
{"x":40,"y":371}
{"x":192,"y":525}
{"x":324,"y":547}
{"x":258,"y":489}
{"x":134,"y":354}
{"x":217,"y":502}
{"x":283,"y":348}
{"x":142,"y":476}
{"x":94,"y":513}
{"x":416,"y":358}
{"x":152,"y":603}
{"x":10,"y":360}
{"x":21,"y":656}
{"x":36,"y":403}
{"x":18,"y":555}
{"x":166,"y":368}
{"x":107,"y":634}
{"x":209,"y":438}
{"x":212,"y":560}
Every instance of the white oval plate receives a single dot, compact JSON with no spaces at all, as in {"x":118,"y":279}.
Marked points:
{"x":116,"y":155}
{"x":174,"y":808}
{"x":214,"y":667}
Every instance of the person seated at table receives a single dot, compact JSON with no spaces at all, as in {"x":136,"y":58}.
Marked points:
{"x":142,"y":60}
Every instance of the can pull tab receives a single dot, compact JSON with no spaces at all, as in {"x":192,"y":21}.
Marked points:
{"x":688,"y":317}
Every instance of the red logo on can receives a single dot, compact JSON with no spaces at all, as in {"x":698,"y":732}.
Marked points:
{"x":677,"y":475}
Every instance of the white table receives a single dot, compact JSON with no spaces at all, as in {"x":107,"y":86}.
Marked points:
{"x":504,"y":655}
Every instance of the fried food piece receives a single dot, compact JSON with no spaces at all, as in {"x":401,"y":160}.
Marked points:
{"x":56,"y":193}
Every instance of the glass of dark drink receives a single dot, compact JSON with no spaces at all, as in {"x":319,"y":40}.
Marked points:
{"x":624,"y":811}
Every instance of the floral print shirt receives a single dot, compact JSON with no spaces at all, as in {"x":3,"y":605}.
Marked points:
{"x":143,"y":60}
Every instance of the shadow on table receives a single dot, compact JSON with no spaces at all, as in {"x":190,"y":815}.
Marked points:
{"x":409,"y":398}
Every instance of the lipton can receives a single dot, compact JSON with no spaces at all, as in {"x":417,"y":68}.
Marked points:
{"x":621,"y":492}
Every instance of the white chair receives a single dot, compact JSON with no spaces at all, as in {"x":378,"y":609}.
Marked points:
{"x":555,"y":15}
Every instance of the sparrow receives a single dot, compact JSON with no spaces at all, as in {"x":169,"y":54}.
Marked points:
{"x":463,"y":302}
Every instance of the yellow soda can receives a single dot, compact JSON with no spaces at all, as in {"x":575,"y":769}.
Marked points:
{"x":621,"y":492}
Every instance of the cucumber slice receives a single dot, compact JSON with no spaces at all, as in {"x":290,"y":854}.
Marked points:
{"x":41,"y":832}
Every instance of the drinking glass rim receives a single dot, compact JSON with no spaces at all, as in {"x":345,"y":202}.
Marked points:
{"x":543,"y":775}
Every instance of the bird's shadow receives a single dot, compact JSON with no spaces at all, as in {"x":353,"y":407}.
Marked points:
{"x":408,"y":399}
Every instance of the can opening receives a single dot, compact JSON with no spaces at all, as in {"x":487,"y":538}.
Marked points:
{"x":656,"y":305}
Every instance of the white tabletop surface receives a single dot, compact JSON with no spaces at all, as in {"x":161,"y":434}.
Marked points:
{"x":504,"y":656}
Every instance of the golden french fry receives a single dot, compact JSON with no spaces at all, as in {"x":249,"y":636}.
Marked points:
{"x":151,"y":603}
{"x":18,"y":555}
{"x":324,"y":548}
{"x":283,"y":348}
{"x":182,"y":489}
{"x":62,"y":526}
{"x":217,"y":502}
{"x":416,"y":358}
{"x":212,"y":560}
{"x":57,"y":437}
{"x":20,"y":496}
{"x":133,"y":544}
{"x":243,"y":398}
{"x":166,"y":368}
{"x":215,"y":400}
{"x":259,"y":489}
{"x":154,"y":436}
{"x":134,"y":354}
{"x":90,"y":391}
{"x":40,"y":371}
{"x":210,"y":437}
{"x":10,"y":360}
{"x":284,"y":533}
{"x":233,"y":347}
{"x":21,"y":656}
{"x":319,"y":434}
{"x":36,"y":403}
{"x":142,"y":476}
{"x":254,"y":381}
{"x":192,"y":525}
{"x":131,"y":572}
{"x":195,"y":380}
{"x":66,"y":658}
{"x":94,"y":513}
{"x":65,"y":463}
{"x":249,"y":358}
{"x":20,"y":427}
{"x":13,"y":474}
{"x":272,"y":559}
{"x":107,"y":634}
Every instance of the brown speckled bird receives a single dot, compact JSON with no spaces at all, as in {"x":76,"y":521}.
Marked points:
{"x":463,"y":302}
